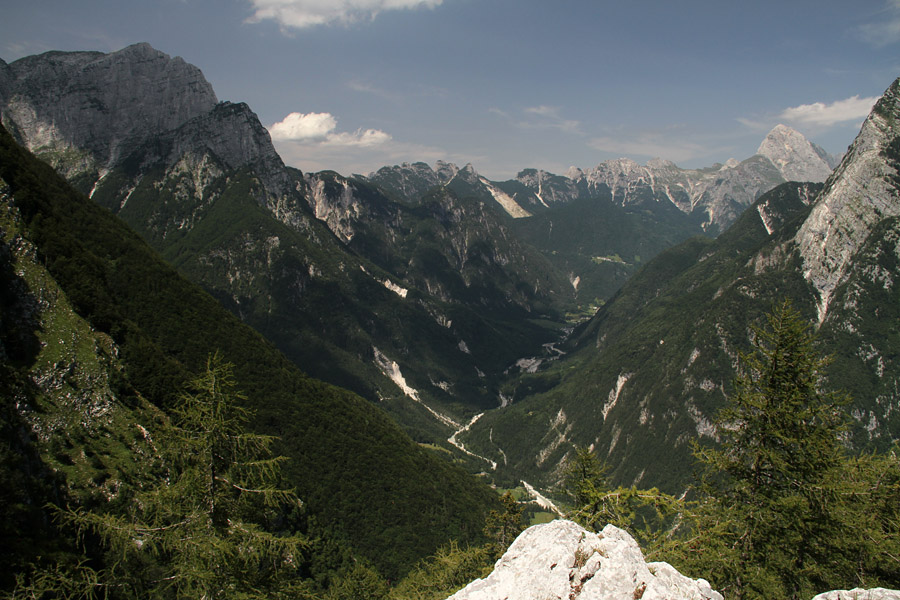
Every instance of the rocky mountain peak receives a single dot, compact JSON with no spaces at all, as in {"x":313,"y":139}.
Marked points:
{"x":661,"y":164}
{"x":795,"y":156}
{"x":863,"y":191}
{"x":103,"y":104}
{"x":445,"y":171}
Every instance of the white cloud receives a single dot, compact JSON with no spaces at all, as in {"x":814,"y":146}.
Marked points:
{"x":299,"y":126}
{"x":828,"y":115}
{"x":300,"y":14}
{"x":319,"y":129}
{"x":364,"y":139}
{"x":886,"y":30}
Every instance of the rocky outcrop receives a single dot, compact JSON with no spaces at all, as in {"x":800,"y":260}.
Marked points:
{"x":561,"y":560}
{"x":863,"y":191}
{"x":233,"y":134}
{"x":408,"y":181}
{"x":860,"y":594}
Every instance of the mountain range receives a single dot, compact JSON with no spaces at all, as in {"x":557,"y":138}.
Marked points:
{"x":443,"y":296}
{"x":646,"y":374}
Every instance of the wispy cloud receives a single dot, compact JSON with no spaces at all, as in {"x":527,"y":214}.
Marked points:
{"x":540,"y":117}
{"x":319,"y":129}
{"x":818,"y":116}
{"x":550,"y":116}
{"x":651,"y":145}
{"x":373,"y":90}
{"x":301,"y":14}
{"x":827,"y":115}
{"x":886,"y":30}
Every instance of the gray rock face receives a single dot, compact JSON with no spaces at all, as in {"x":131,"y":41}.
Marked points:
{"x":89,"y":114}
{"x":233,"y":134}
{"x":863,"y":191}
{"x":561,"y":560}
{"x":408,"y":181}
{"x":338,"y":208}
{"x":104,"y":104}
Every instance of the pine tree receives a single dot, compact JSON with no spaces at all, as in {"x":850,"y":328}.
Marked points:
{"x":194,"y":532}
{"x":503,"y":526}
{"x":766,"y":524}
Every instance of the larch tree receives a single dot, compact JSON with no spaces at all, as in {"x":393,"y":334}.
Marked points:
{"x":194,"y":530}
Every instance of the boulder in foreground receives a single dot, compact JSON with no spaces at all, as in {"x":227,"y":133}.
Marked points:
{"x":562,"y":560}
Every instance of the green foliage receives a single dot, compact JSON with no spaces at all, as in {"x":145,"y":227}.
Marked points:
{"x":188,"y":533}
{"x":670,"y":334}
{"x":361,"y":582}
{"x":781,"y":511}
{"x":502,"y":526}
{"x":585,"y":479}
{"x":650,"y":516}
{"x":589,"y":236}
{"x":449,"y":570}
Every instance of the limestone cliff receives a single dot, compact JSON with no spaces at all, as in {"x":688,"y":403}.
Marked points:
{"x":863,"y":191}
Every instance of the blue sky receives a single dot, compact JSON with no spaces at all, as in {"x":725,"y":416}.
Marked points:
{"x":352,"y":85}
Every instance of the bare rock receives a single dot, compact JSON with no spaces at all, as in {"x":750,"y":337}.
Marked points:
{"x":561,"y":560}
{"x":860,"y":594}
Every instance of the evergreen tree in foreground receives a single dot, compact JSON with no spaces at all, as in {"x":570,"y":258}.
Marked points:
{"x":783,"y":512}
{"x":189,"y":533}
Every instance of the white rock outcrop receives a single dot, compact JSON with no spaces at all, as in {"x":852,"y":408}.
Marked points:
{"x":561,"y":560}
{"x":860,"y":594}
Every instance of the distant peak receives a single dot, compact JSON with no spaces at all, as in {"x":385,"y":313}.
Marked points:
{"x":778,"y":137}
{"x":661,"y":163}
{"x":794,"y":155}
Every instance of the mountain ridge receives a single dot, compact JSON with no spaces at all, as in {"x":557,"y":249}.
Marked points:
{"x":656,"y":362}
{"x":415,"y":286}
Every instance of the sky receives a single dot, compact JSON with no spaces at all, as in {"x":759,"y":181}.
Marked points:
{"x":354,"y":85}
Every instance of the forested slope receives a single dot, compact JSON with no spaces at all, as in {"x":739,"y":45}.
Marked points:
{"x":357,"y":472}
